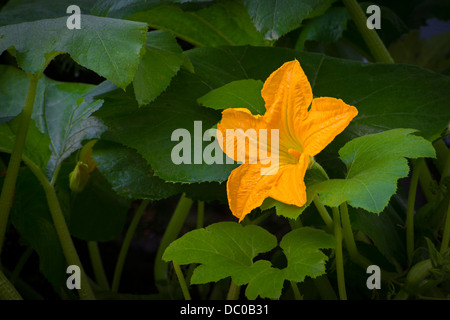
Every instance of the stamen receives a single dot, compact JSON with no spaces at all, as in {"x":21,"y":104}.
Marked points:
{"x":295,"y":153}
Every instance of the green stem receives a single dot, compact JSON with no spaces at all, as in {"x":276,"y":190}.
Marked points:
{"x":349,"y":239}
{"x":319,"y":205}
{"x":233,"y":292}
{"x":181,"y":280}
{"x":66,"y":241}
{"x":442,"y":153}
{"x":7,"y":290}
{"x":323,"y":213}
{"x":171,"y":233}
{"x":446,"y":234}
{"x":20,"y":264}
{"x":427,"y":183}
{"x":26,"y":291}
{"x":317,"y":166}
{"x":324,"y":287}
{"x":55,"y":175}
{"x":126,"y":244}
{"x":350,"y":244}
{"x":339,"y":254}
{"x":62,"y":230}
{"x":446,"y":165}
{"x":9,"y":184}
{"x":410,"y":208}
{"x":97,"y":265}
{"x":373,"y":41}
{"x":297,"y":294}
{"x":200,"y":214}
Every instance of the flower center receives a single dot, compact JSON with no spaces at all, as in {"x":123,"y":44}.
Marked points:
{"x":295,"y":153}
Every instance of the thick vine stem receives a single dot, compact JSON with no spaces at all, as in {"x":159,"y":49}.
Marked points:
{"x":410,"y":208}
{"x":446,"y":233}
{"x":65,"y":239}
{"x":233,"y":291}
{"x":126,"y":244}
{"x":9,"y":183}
{"x":97,"y":265}
{"x":182,"y":281}
{"x":323,"y":213}
{"x":339,"y":254}
{"x":171,"y":233}
{"x":62,"y":230}
{"x":373,"y":41}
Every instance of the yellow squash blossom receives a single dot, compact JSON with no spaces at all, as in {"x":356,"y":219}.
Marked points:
{"x":79,"y":177}
{"x":305,"y":127}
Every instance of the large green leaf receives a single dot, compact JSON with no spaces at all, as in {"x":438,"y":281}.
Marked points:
{"x":18,"y":11}
{"x":129,"y":174}
{"x":13,"y":86}
{"x":374,"y":164}
{"x":228,"y":249}
{"x":304,"y":259}
{"x":223,"y":249}
{"x":121,"y":9}
{"x":223,"y":23}
{"x":236,"y":94}
{"x":301,"y":247}
{"x":162,"y":59}
{"x":274,"y":18}
{"x":110,"y":47}
{"x":37,"y":144}
{"x":66,"y":118}
{"x":60,"y":112}
{"x":326,"y":28}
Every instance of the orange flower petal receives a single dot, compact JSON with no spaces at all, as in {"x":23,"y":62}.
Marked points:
{"x":247,"y":189}
{"x":326,"y":119}
{"x":242,"y":145}
{"x":287,"y":94}
{"x":290,"y":187}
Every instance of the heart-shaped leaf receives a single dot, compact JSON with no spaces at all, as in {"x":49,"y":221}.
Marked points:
{"x":374,"y":164}
{"x":110,"y":47}
{"x":162,"y":59}
{"x":274,"y":18}
{"x":129,"y":174}
{"x":223,"y":23}
{"x":236,"y":94}
{"x":223,"y":249}
{"x":227,"y":249}
{"x":60,"y":112}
